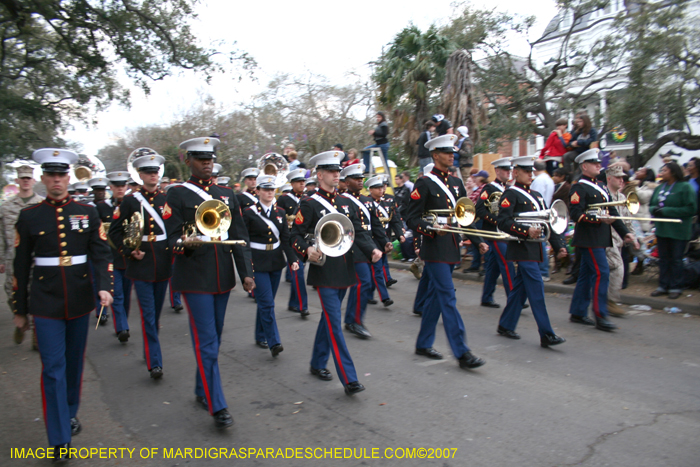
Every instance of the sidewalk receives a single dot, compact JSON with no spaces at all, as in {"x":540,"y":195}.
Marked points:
{"x":637,"y":293}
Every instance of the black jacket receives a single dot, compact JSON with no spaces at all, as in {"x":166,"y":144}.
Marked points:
{"x":372,"y":225}
{"x":288,"y":203}
{"x":589,"y":231}
{"x":67,"y":229}
{"x":490,"y":222}
{"x":260,"y":233}
{"x":423,"y":153}
{"x":156,"y":265}
{"x":106,"y":210}
{"x":244,"y":200}
{"x":207,"y":268}
{"x":338,"y":272}
{"x":381,"y":133}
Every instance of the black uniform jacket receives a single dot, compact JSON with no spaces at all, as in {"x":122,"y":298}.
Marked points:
{"x":106,"y":210}
{"x":395,"y":225}
{"x":338,"y":272}
{"x":288,"y":203}
{"x":206,"y":268}
{"x":244,"y":200}
{"x":156,"y":264}
{"x":427,"y":195}
{"x":513,"y":202}
{"x":261,"y":233}
{"x":372,"y":225}
{"x":490,"y":221}
{"x":66,"y":229}
{"x":589,"y":231}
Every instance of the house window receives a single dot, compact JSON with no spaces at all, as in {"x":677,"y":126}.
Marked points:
{"x":516,"y":148}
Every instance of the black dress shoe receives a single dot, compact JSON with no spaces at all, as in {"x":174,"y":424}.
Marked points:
{"x":321,"y":373}
{"x":391,"y":282}
{"x":551,"y":339}
{"x":359,"y":330}
{"x":570,"y":280}
{"x":658,"y":293}
{"x":75,"y":426}
{"x":262,"y":344}
{"x":178,"y":308}
{"x":526,"y":306}
{"x":581,"y":320}
{"x":490,"y":304}
{"x":60,"y":454}
{"x":482,"y":273}
{"x":604,"y":325}
{"x":223,"y":419}
{"x":417,"y":313}
{"x":372,"y":301}
{"x":103,"y":319}
{"x":304,"y":313}
{"x":156,"y":372}
{"x":123,"y":336}
{"x":674,"y":295}
{"x":294,"y":309}
{"x":508,"y":333}
{"x":353,"y":388}
{"x":465,"y":270}
{"x":469,"y":360}
{"x":276,"y":349}
{"x":388,"y":302}
{"x":202,"y":401}
{"x":430,"y":353}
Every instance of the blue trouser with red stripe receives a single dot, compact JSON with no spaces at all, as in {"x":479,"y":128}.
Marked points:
{"x":494,"y":265}
{"x":359,"y":294}
{"x":593,"y":277}
{"x":441,"y":300}
{"x":528,"y":283}
{"x":62,"y":350}
{"x":151,"y":296}
{"x":422,"y":292}
{"x":378,"y":281}
{"x":385,"y":267}
{"x":329,"y":336}
{"x":297,"y":297}
{"x":266,"y":284}
{"x":122,"y":301}
{"x":207,"y":312}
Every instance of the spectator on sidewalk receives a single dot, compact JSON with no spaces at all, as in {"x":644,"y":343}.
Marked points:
{"x":424,"y":157}
{"x":464,"y":154}
{"x":381,"y":139}
{"x":583,"y":138}
{"x":555,"y":147}
{"x":544,"y":185}
{"x":442,"y":125}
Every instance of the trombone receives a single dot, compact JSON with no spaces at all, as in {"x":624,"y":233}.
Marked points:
{"x":631,"y":203}
{"x":212,"y":219}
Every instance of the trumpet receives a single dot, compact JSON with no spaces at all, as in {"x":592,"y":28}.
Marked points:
{"x":212,"y":220}
{"x":631,"y":203}
{"x":463,"y":213}
{"x":333,"y":236}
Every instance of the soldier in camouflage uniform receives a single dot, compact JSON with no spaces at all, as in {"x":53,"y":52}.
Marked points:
{"x":8,"y":217}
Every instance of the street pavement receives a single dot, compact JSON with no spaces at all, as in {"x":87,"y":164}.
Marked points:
{"x":628,"y":398}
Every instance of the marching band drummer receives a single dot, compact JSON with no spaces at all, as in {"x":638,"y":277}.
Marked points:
{"x":519,"y":198}
{"x":441,"y":252}
{"x":336,"y":275}
{"x":298,"y":301}
{"x":247,"y":195}
{"x":204,"y":274}
{"x":150,"y":265}
{"x":122,"y":284}
{"x":592,"y":236}
{"x":269,"y":242}
{"x":58,"y":236}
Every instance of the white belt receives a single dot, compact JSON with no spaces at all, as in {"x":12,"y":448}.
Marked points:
{"x":61,"y":261}
{"x":446,"y":220}
{"x":157,"y":238}
{"x":263,"y":246}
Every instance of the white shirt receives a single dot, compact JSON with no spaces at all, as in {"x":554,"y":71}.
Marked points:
{"x":408,"y":184}
{"x":544,"y":185}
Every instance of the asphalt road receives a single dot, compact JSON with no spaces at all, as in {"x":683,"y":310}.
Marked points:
{"x":623,"y":399}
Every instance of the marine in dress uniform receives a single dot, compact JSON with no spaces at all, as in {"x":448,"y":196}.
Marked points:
{"x":122,"y":284}
{"x":440,"y":252}
{"x":9,"y":211}
{"x":496,"y":262}
{"x":393,"y":228}
{"x":247,"y":196}
{"x":97,"y":187}
{"x":269,"y":241}
{"x":222,"y":181}
{"x":379,"y":277}
{"x":310,"y":186}
{"x":215,"y":171}
{"x":361,"y":291}
{"x":204,"y":274}
{"x":528,"y":282}
{"x":58,"y":236}
{"x":298,"y":300}
{"x":336,"y":275}
{"x":592,"y":235}
{"x":150,"y":266}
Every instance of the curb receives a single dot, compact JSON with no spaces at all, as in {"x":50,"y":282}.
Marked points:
{"x":549,"y":287}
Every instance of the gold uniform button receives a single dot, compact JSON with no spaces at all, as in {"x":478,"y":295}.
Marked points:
{"x":59,"y":210}
{"x":206,"y":189}
{"x":61,"y":235}
{"x":64,"y":243}
{"x":60,"y":218}
{"x":42,"y":232}
{"x":64,"y":253}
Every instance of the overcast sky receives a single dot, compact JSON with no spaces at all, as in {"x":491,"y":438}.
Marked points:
{"x":327,"y":38}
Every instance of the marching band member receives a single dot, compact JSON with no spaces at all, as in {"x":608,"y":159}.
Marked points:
{"x":204,"y":274}
{"x":122,"y":284}
{"x":269,"y":241}
{"x":394,"y":226}
{"x":58,"y":236}
{"x":441,"y":253}
{"x":376,"y":189}
{"x":150,"y":265}
{"x":336,"y":275}
{"x":247,"y":196}
{"x":592,"y":235}
{"x":215,"y":173}
{"x":361,"y":291}
{"x":528,"y":282}
{"x":310,"y":186}
{"x":298,"y":301}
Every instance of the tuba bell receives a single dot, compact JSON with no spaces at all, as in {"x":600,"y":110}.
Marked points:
{"x":276,"y":165}
{"x":333,"y":236}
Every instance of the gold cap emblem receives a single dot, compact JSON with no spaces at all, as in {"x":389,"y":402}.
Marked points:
{"x":153,"y":157}
{"x":206,"y":141}
{"x":56,"y":153}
